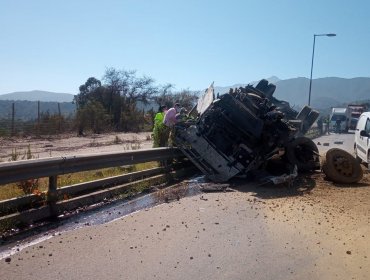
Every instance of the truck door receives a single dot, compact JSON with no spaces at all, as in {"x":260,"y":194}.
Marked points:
{"x":362,"y":142}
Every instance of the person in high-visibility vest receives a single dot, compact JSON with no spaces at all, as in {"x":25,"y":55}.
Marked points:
{"x":160,"y":131}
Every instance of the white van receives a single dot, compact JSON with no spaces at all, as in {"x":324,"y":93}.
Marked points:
{"x":362,"y":138}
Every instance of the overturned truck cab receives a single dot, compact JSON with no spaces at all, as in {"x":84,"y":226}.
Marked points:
{"x":242,"y":130}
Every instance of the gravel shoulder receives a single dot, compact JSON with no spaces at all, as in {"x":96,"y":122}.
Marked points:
{"x":70,"y":145}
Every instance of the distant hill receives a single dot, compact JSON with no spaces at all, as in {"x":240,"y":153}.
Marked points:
{"x":27,"y":110}
{"x":325,"y":92}
{"x":38,"y":95}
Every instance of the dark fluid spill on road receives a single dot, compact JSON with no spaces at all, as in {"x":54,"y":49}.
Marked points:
{"x":98,"y":214}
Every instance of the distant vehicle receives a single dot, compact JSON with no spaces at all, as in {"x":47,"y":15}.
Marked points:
{"x":339,"y":120}
{"x":355,"y":111}
{"x":362,"y":138}
{"x":353,"y":123}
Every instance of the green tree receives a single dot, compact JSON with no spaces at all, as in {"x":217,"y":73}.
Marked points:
{"x":92,"y":116}
{"x":167,"y":97}
{"x":118,"y":95}
{"x":125,"y":90}
{"x":91,"y":90}
{"x":186,"y":98}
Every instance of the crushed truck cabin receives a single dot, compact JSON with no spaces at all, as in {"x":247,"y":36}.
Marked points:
{"x":246,"y":130}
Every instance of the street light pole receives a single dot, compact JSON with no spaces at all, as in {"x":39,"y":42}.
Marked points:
{"x":313,"y":55}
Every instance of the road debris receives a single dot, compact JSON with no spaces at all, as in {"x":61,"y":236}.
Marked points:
{"x":285,"y":178}
{"x":211,"y":187}
{"x":240,"y":131}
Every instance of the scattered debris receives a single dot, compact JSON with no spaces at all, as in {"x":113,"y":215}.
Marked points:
{"x":338,"y":142}
{"x":240,"y":131}
{"x":285,"y":178}
{"x":340,"y":166}
{"x":212,"y":187}
{"x":325,"y":144}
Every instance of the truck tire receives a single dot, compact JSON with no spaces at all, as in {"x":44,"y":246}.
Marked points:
{"x":312,"y":117}
{"x":303,"y":114}
{"x":270,"y":90}
{"x":303,"y":152}
{"x":309,"y":121}
{"x":340,"y":166}
{"x":262,"y":85}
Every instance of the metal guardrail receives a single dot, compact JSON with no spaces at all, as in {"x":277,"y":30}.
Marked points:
{"x":16,"y":171}
{"x":12,"y":172}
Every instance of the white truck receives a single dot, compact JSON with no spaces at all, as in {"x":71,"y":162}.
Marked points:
{"x":339,"y":119}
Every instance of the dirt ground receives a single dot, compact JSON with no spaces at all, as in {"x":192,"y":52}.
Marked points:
{"x":70,"y":145}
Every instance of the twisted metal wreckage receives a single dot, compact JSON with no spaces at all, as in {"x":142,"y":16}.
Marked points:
{"x":245,"y":131}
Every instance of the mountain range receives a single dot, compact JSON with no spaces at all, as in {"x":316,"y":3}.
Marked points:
{"x":325,"y":92}
{"x":37,"y":95}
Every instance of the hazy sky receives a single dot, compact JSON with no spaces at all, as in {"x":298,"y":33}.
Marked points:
{"x":57,"y":45}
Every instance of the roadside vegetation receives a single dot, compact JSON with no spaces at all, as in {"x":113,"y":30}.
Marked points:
{"x":121,"y":101}
{"x":40,"y":186}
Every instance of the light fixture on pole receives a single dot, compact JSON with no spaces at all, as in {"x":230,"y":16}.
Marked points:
{"x":313,"y":55}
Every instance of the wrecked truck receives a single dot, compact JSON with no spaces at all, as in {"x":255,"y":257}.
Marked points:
{"x":242,"y":131}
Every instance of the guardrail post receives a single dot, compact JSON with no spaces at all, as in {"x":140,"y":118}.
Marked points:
{"x":52,"y":195}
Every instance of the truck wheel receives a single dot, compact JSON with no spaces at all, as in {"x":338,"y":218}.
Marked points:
{"x":309,"y":120}
{"x":312,"y":117}
{"x":341,"y":167}
{"x":303,"y":114}
{"x":304,"y":153}
{"x":262,"y":85}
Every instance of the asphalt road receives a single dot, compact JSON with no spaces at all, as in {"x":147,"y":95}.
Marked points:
{"x":334,"y":140}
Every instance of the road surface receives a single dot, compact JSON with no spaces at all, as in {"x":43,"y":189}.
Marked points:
{"x":334,"y":140}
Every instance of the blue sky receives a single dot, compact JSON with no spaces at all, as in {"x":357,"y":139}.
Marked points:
{"x":58,"y":45}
